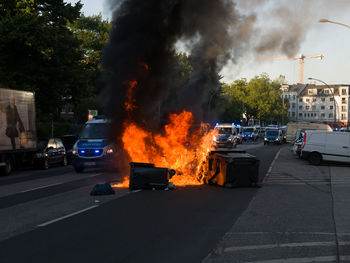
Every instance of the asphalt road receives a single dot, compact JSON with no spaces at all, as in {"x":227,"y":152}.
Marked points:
{"x":183,"y":225}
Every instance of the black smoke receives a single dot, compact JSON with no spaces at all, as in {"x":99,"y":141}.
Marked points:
{"x":146,"y":31}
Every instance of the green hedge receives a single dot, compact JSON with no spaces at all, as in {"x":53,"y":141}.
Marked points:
{"x":60,"y":129}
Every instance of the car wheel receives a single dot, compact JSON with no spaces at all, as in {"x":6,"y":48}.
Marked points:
{"x":64,"y":161}
{"x":315,"y":158}
{"x":7,"y":169}
{"x":79,"y":169}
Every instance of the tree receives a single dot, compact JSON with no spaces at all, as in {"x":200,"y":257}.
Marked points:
{"x":38,"y":52}
{"x":259,"y":98}
{"x":93,"y":34}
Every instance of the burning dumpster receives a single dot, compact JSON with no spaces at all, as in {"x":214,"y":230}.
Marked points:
{"x":146,"y":176}
{"x":231,"y":169}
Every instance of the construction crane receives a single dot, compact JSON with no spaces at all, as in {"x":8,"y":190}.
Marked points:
{"x":301,"y":59}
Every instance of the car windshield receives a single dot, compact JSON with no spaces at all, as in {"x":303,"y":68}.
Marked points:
{"x":272,"y":133}
{"x":42,"y":145}
{"x":95,"y":131}
{"x":248,"y":129}
{"x":224,"y":130}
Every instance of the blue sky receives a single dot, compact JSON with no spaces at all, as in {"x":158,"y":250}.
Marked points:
{"x":330,"y":40}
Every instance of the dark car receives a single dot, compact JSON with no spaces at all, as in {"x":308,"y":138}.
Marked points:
{"x":50,"y":152}
{"x":68,"y":142}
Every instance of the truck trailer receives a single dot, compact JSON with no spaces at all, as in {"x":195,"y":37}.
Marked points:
{"x":17,"y":129}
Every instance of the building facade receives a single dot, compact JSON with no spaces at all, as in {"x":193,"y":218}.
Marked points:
{"x":318,"y":103}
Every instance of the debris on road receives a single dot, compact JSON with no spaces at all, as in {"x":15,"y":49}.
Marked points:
{"x":146,"y":176}
{"x":231,"y":168}
{"x":102,"y":189}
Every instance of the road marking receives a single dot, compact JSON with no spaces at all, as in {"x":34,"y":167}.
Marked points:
{"x":66,"y":216}
{"x":272,"y":164}
{"x":284,"y":245}
{"x":135,"y":191}
{"x":302,"y":260}
{"x":41,"y":187}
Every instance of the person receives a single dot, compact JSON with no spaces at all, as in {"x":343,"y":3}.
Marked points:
{"x":12,"y":118}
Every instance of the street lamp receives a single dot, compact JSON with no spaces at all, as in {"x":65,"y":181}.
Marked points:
{"x":323,"y":20}
{"x":335,"y":111}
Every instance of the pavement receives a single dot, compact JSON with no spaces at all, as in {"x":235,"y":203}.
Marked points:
{"x":301,"y":214}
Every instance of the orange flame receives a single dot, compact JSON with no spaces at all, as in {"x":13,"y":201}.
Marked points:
{"x":178,"y":148}
{"x":130,"y":101}
{"x":144,"y":64}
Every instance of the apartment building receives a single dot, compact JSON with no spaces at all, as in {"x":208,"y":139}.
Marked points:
{"x":318,"y":103}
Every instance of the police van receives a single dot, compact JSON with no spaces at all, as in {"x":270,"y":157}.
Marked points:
{"x":93,"y":149}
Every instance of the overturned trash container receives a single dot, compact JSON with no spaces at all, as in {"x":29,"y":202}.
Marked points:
{"x":231,"y":169}
{"x":146,"y":176}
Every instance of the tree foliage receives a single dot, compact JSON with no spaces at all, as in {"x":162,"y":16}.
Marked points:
{"x":50,"y":48}
{"x":259,"y":98}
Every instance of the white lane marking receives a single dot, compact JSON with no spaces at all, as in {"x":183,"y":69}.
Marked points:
{"x":135,"y":191}
{"x":269,"y":246}
{"x":66,"y":216}
{"x":272,"y":164}
{"x":284,"y":245}
{"x":299,"y":260}
{"x":41,"y":187}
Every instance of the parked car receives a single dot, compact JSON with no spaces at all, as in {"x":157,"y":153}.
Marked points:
{"x":345,"y":129}
{"x":273,"y":135}
{"x":321,"y":146}
{"x":50,"y":152}
{"x":68,"y":142}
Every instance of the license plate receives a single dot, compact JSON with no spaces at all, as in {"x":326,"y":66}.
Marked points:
{"x":90,"y":163}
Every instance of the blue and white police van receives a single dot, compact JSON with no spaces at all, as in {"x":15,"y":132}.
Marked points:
{"x":93,"y":148}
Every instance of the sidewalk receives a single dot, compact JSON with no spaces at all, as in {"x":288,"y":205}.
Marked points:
{"x":301,"y":214}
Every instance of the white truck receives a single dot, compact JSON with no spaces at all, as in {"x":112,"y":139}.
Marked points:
{"x":17,"y":129}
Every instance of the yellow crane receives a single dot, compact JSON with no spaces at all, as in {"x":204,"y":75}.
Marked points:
{"x":301,"y":59}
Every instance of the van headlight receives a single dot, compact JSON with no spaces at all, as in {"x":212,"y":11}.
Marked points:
{"x":74,"y":149}
{"x":265,"y":139}
{"x":110,"y":150}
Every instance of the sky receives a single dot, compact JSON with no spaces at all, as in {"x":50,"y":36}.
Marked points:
{"x":330,"y":40}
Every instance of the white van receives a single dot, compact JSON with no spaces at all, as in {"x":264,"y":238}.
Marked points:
{"x":293,"y":127}
{"x":321,"y":146}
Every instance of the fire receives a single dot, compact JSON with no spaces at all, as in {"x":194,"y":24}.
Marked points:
{"x":179,"y":147}
{"x":130,"y":101}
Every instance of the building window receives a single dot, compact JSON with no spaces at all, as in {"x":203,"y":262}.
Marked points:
{"x":343,"y":116}
{"x":330,"y":115}
{"x":312,"y":92}
{"x":300,"y":107}
{"x":323,"y":99}
{"x":315,"y":114}
{"x":308,"y":115}
{"x":331,"y":99}
{"x":300,"y":115}
{"x":293,"y":97}
{"x":313,"y":107}
{"x":307,"y":100}
{"x":307,"y":107}
{"x":322,"y":107}
{"x":343,"y":100}
{"x":331,"y":107}
{"x":301,"y":100}
{"x":343,"y":108}
{"x":343,"y":92}
{"x":305,"y":115}
{"x":322,"y":115}
{"x":313,"y":99}
{"x":293,"y":105}
{"x":293,"y":114}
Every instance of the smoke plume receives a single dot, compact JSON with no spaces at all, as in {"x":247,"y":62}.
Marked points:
{"x":142,"y":47}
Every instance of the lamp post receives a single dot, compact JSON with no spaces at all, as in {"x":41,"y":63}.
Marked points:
{"x":323,"y":20}
{"x":334,"y":108}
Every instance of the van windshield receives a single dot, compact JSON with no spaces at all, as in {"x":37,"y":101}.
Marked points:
{"x":95,"y":131}
{"x":248,"y":129}
{"x":272,"y":133}
{"x":224,"y":130}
